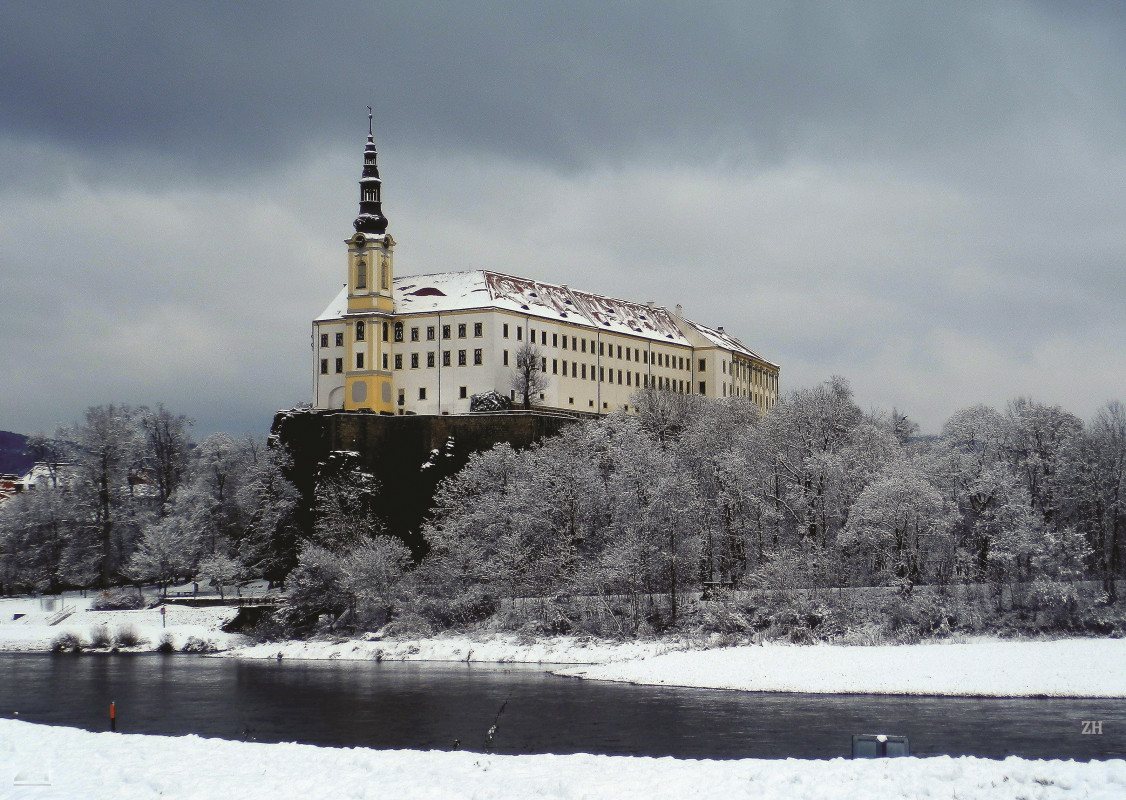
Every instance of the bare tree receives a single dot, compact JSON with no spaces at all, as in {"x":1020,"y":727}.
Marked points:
{"x":528,"y":376}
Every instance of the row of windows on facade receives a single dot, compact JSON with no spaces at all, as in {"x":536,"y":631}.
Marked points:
{"x":573,"y":343}
{"x":743,"y":370}
{"x":462,"y":360}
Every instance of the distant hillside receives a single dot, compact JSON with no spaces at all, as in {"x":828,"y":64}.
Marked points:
{"x":13,"y":453}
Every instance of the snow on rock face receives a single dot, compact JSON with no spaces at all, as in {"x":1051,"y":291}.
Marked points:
{"x":74,"y":763}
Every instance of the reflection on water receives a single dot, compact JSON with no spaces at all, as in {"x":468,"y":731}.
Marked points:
{"x":430,"y":705}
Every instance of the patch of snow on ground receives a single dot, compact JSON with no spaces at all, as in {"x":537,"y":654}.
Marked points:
{"x":34,"y":633}
{"x":1062,"y":668}
{"x":44,"y":763}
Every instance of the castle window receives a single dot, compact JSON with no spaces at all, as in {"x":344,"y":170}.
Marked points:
{"x":402,"y":397}
{"x":574,"y":344}
{"x":505,"y":360}
{"x":445,"y":331}
{"x":619,"y":351}
{"x":532,"y":335}
{"x":398,"y":331}
{"x":584,"y":346}
{"x":422,"y":393}
{"x":564,"y":342}
{"x":504,"y":330}
{"x":477,"y":357}
{"x":555,"y":340}
{"x":627,"y":354}
{"x":385,"y":331}
{"x":703,"y":367}
{"x":519,"y":334}
{"x":414,"y":360}
{"x":360,"y":331}
{"x":600,"y":351}
{"x":324,"y":366}
{"x":385,"y":361}
{"x":584,"y":372}
{"x":543,"y":341}
{"x":339,"y":340}
{"x":359,"y":360}
{"x":571,"y":400}
{"x":324,"y":340}
{"x":703,"y":388}
{"x":575,"y":370}
{"x":461,"y":358}
{"x":414,"y":334}
{"x":564,"y":368}
{"x":554,"y":366}
{"x":462,"y":392}
{"x":339,"y":365}
{"x":398,"y":361}
{"x":361,"y":274}
{"x":430,"y":359}
{"x":445,"y":358}
{"x":478,"y":329}
{"x":461,"y":331}
{"x":543,"y":367}
{"x":429,"y":333}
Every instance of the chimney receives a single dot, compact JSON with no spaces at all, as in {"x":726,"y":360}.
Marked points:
{"x":720,"y":329}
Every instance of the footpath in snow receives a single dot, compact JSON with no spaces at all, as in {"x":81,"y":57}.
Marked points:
{"x":45,"y":763}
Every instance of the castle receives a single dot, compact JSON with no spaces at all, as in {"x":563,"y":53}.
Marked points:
{"x":425,"y":344}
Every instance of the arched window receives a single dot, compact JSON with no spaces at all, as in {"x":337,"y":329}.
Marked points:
{"x":384,"y":272}
{"x":361,"y":274}
{"x":359,"y":331}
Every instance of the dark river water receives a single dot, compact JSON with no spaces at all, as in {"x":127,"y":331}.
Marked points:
{"x":430,"y":705}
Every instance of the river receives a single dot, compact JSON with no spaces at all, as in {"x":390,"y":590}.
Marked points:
{"x":428,"y":705}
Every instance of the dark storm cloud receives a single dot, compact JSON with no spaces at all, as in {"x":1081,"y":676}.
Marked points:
{"x":923,"y":196}
{"x":237,"y":84}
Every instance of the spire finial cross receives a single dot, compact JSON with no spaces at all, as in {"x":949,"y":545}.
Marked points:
{"x":369,"y":121}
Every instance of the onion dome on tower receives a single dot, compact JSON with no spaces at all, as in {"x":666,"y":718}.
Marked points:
{"x":371,"y":219}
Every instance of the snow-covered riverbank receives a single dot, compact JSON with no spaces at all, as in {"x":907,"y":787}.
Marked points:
{"x":1086,"y":667}
{"x":987,"y":667}
{"x":33,"y":631}
{"x":44,"y":762}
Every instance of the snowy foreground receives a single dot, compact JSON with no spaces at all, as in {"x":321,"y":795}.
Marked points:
{"x":43,"y":762}
{"x":987,"y":667}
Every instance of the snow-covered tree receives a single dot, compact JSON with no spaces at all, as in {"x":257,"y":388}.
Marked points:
{"x":528,"y":378}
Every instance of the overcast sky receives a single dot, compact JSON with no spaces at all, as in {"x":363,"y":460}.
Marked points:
{"x":927,"y":198}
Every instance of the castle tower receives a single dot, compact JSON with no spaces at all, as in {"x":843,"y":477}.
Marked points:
{"x":371,"y":276}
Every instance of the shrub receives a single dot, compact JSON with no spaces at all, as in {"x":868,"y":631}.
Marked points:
{"x":99,"y":636}
{"x":125,"y":598}
{"x":196,"y":645}
{"x":127,"y":636}
{"x":165,"y":645}
{"x":66,"y":643}
{"x":716,"y":618}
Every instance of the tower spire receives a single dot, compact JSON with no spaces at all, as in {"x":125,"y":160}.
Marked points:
{"x":371,"y":219}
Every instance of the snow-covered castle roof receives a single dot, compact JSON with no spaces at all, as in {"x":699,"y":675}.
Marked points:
{"x":445,"y":292}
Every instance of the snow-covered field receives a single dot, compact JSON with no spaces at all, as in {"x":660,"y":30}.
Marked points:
{"x":988,"y":667}
{"x":33,"y":631}
{"x":44,"y":762}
